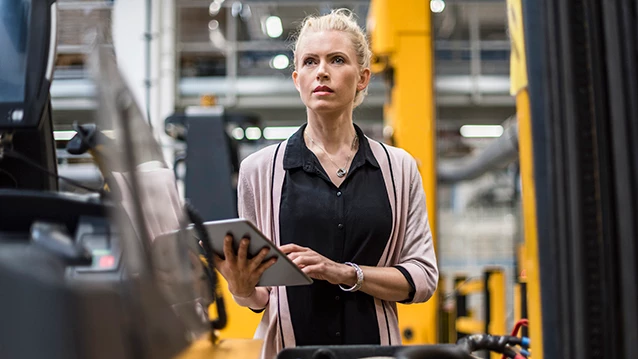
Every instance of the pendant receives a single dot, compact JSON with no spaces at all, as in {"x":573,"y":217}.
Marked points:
{"x":341,"y":172}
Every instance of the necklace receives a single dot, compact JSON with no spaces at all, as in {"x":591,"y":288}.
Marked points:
{"x":341,"y":171}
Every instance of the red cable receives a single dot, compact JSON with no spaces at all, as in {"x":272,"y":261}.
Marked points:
{"x":517,"y":327}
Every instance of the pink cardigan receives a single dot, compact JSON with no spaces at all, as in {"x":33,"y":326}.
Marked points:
{"x":409,"y":245}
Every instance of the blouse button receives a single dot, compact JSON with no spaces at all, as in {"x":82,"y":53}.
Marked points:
{"x":339,"y":194}
{"x":340,"y":226}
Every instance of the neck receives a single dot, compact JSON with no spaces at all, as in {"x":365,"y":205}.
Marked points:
{"x":332,"y":132}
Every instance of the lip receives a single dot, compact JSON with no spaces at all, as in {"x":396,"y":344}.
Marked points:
{"x":322,"y":90}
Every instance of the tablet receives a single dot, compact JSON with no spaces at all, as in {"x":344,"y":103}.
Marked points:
{"x":283,"y":273}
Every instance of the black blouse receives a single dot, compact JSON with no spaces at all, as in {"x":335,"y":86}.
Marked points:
{"x":349,"y":223}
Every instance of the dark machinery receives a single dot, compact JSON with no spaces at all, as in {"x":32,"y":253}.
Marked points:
{"x":211,"y":158}
{"x":77,"y":270}
{"x":27,"y":147}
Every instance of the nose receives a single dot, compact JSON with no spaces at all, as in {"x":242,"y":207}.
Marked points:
{"x":322,"y":73}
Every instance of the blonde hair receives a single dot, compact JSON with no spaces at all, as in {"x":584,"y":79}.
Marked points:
{"x":342,"y":20}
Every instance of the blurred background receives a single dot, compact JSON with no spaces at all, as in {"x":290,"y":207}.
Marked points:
{"x":200,"y":56}
{"x":520,"y":115}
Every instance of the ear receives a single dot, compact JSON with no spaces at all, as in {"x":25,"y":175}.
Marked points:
{"x":364,"y":79}
{"x":295,"y":79}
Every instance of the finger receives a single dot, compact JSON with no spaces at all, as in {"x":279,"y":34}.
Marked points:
{"x":255,"y":262}
{"x":217,"y":260}
{"x":312,"y":271}
{"x":201,"y":244}
{"x":242,"y":253}
{"x":267,"y":264}
{"x":289,"y":248}
{"x":305,"y":260}
{"x":229,"y":253}
{"x":293,"y":255}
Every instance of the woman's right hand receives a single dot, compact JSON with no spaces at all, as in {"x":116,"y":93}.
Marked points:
{"x":241,"y":273}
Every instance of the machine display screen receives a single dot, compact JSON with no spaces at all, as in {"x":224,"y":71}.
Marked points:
{"x":14,"y":35}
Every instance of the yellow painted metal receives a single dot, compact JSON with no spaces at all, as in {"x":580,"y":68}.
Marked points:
{"x":475,"y":285}
{"x":517,"y":301}
{"x":225,"y":349}
{"x":387,"y":22}
{"x":529,"y":267}
{"x":496,"y":288}
{"x":469,"y":326}
{"x":402,"y":34}
{"x":518,"y":60}
{"x":529,"y":221}
{"x":521,"y":279}
{"x":380,"y":27}
{"x":521,"y":251}
{"x":242,"y":322}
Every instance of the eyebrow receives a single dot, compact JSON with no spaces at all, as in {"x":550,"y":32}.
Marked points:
{"x":339,"y":53}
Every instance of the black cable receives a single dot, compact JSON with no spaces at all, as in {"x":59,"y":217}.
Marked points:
{"x":513,"y":340}
{"x":494,"y":343}
{"x":12,"y":177}
{"x":27,"y":160}
{"x":198,"y":222}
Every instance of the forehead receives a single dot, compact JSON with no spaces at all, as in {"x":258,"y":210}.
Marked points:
{"x":324,"y":42}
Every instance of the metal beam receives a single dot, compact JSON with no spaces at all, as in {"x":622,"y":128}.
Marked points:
{"x":280,"y":92}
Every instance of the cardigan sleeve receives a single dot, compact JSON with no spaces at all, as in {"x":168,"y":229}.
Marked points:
{"x":417,"y":255}
{"x":246,"y":201}
{"x":247,"y":204}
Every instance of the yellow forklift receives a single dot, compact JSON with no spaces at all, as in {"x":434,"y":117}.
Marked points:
{"x":573,"y":73}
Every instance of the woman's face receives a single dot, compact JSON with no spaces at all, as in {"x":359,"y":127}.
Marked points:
{"x":327,"y":73}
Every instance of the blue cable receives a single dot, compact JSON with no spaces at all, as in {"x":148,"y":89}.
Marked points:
{"x":524,"y":352}
{"x":525,"y":342}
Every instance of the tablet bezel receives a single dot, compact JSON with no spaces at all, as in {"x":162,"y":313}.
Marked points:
{"x":284,"y":267}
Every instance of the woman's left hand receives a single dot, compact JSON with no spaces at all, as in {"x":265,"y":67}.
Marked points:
{"x":319,"y":267}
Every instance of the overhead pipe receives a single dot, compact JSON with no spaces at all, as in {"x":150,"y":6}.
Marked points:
{"x":500,"y":152}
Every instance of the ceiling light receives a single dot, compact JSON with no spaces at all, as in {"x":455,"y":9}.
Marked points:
{"x":437,"y":6}
{"x":214,"y":8}
{"x":246,"y":13}
{"x":236,"y":8}
{"x":213,"y":25}
{"x":279,"y":133}
{"x":238,"y":133}
{"x":280,"y":62}
{"x":478,"y":131}
{"x":63,"y":135}
{"x":274,"y":28}
{"x":253,"y":133}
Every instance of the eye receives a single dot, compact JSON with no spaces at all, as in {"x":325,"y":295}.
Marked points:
{"x":339,"y":60}
{"x":309,"y":61}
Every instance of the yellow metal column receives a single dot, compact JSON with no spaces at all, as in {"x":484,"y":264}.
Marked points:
{"x":518,"y":75}
{"x":529,"y":222}
{"x":401,"y":35}
{"x":496,"y":289}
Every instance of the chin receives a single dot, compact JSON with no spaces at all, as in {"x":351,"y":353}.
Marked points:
{"x":326,"y":107}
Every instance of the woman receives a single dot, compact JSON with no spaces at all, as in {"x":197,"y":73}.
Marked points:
{"x":349,"y":211}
